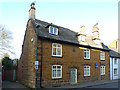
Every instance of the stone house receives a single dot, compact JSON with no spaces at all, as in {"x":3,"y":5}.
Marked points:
{"x":65,"y":56}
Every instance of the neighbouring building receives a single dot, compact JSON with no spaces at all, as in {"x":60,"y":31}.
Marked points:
{"x":114,"y":60}
{"x":65,"y":56}
{"x":114,"y":44}
{"x":114,"y":64}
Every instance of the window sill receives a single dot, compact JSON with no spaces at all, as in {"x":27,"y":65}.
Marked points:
{"x":87,"y":76}
{"x":56,"y":78}
{"x":53,"y":34}
{"x":57,"y":56}
{"x":102,"y":74}
{"x":102,"y":60}
{"x":86,"y":58}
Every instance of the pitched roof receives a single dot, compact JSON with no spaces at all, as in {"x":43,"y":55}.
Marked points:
{"x":114,"y":52}
{"x":64,"y":35}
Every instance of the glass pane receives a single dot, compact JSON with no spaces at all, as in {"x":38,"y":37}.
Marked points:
{"x":58,"y":67}
{"x":54,"y":73}
{"x":115,"y":71}
{"x":55,"y":30}
{"x":51,"y":30}
{"x":85,"y":73}
{"x":58,"y":73}
{"x":85,"y":54}
{"x":54,"y":67}
{"x":59,"y":45}
{"x":54,"y":45}
{"x":54,"y":51}
{"x":58,"y":51}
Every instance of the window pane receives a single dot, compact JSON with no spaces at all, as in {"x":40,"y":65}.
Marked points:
{"x":58,"y":73}
{"x":54,"y":67}
{"x":115,"y":71}
{"x":54,"y":73}
{"x":54,"y":51}
{"x":102,"y":55}
{"x":115,"y":61}
{"x":86,"y":70}
{"x":58,"y":51}
{"x":58,"y":45}
{"x":51,"y":30}
{"x":58,"y":67}
{"x":54,"y":45}
{"x":85,"y":54}
{"x":55,"y":30}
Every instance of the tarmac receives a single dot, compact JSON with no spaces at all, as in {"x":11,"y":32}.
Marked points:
{"x":8,"y":84}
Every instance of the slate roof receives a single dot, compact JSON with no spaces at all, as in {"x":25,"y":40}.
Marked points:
{"x":64,"y":35}
{"x":114,"y":52}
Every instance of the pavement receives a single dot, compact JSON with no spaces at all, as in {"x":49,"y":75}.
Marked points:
{"x":89,"y":84}
{"x":8,"y":84}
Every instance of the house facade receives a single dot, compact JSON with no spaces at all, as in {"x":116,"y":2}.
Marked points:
{"x":65,"y":56}
{"x":114,"y":63}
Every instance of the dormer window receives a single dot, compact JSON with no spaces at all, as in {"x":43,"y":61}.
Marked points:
{"x":53,"y":30}
{"x":95,"y":34}
{"x":82,"y":38}
{"x":97,"y":42}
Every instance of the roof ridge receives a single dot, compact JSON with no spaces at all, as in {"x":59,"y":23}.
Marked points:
{"x":56,"y":25}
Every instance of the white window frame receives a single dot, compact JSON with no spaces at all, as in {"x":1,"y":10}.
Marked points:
{"x":53,"y":30}
{"x":102,"y":55}
{"x":102,"y":70}
{"x":57,"y":49}
{"x":115,"y":59}
{"x":114,"y":72}
{"x":56,"y":69}
{"x":87,"y":69}
{"x":87,"y":52}
{"x":82,"y":38}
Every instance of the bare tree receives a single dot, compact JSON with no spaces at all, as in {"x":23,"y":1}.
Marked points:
{"x":5,"y":41}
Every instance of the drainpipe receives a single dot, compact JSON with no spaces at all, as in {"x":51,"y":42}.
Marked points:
{"x":37,"y":26}
{"x":112,"y":68}
{"x":41,"y":63}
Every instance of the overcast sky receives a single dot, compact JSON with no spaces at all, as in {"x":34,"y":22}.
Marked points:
{"x":70,"y":14}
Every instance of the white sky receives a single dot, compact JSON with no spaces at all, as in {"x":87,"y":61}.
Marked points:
{"x":73,"y":14}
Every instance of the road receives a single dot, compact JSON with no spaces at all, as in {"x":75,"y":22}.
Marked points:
{"x":16,"y":85}
{"x":110,"y":85}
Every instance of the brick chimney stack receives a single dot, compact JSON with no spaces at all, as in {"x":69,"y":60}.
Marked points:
{"x":32,"y":11}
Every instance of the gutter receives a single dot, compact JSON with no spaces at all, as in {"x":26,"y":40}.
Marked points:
{"x":67,"y":42}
